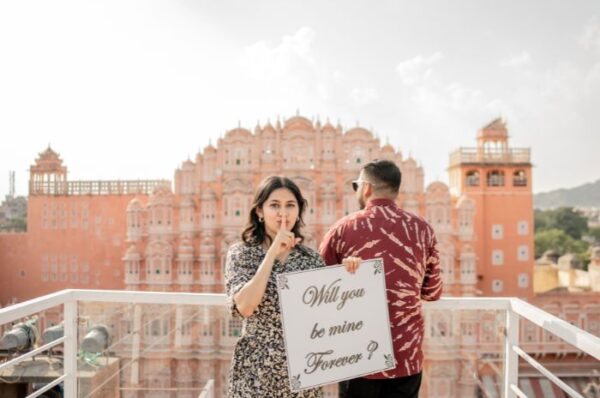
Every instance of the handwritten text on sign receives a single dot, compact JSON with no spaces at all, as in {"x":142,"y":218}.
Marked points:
{"x":335,"y":324}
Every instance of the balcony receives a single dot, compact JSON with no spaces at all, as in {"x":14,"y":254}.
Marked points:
{"x":179,"y":345}
{"x":490,"y":156}
{"x":133,"y":187}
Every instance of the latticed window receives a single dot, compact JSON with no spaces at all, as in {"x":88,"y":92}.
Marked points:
{"x":519,"y":178}
{"x":235,"y":327}
{"x":495,"y":178}
{"x":472,"y":178}
{"x":206,"y":330}
{"x":231,"y":328}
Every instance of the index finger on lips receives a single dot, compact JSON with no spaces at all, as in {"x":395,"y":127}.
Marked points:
{"x":283,"y":222}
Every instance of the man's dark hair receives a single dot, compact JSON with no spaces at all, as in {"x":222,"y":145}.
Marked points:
{"x":385,"y":174}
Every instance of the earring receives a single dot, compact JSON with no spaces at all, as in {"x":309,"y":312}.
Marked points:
{"x":260,"y":219}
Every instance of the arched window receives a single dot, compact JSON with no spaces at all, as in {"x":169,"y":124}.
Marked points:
{"x":328,"y":147}
{"x":495,"y":178}
{"x":268,"y":149}
{"x":359,"y":155}
{"x":472,"y":178}
{"x":467,"y":267}
{"x":441,"y":326}
{"x":241,"y":157}
{"x":519,"y":178}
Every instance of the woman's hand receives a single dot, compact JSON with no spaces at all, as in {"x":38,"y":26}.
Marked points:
{"x":284,"y":240}
{"x":351,"y":263}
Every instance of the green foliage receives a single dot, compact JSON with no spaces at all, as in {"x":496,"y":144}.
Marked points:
{"x":557,"y":240}
{"x":564,"y":218}
{"x":594,"y":233}
{"x":584,"y":258}
{"x":15,"y":224}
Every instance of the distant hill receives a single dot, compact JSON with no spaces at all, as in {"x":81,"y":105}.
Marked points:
{"x":586,"y":195}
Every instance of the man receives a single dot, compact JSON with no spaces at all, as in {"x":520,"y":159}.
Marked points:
{"x":407,"y":245}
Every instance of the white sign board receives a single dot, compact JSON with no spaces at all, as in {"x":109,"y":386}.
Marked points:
{"x":335,"y":324}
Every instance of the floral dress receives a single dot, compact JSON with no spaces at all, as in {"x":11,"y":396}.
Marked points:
{"x":259,"y":364}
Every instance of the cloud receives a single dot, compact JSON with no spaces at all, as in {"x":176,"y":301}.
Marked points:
{"x":430,"y":93}
{"x":291,"y":70}
{"x":338,"y":76}
{"x":593,"y":77}
{"x":517,"y":60}
{"x":590,"y":38}
{"x":463,"y":98}
{"x":499,"y":107}
{"x":364,"y":96}
{"x":286,"y":73}
{"x":266,"y":61}
{"x":418,"y":69}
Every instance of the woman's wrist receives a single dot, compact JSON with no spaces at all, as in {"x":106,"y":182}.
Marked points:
{"x":271,"y":254}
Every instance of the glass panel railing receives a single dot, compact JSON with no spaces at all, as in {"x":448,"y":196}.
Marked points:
{"x":464,"y":353}
{"x":165,"y":350}
{"x":31,"y":353}
{"x":579,"y":372}
{"x":580,"y":375}
{"x":155,"y":350}
{"x":146,"y":344}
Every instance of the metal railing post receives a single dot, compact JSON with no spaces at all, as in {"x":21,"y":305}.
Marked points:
{"x":70,"y":348}
{"x":511,"y":358}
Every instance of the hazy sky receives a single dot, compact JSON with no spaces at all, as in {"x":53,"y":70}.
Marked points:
{"x":129,"y":90}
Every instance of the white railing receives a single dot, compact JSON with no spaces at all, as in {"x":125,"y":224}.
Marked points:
{"x":209,"y":390}
{"x":515,"y":310}
{"x":107,"y":187}
{"x":488,"y":155}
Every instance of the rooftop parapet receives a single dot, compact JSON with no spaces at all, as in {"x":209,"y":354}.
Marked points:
{"x":517,"y":156}
{"x":108,"y":187}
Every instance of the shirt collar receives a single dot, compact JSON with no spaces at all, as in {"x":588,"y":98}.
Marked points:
{"x":380,"y":202}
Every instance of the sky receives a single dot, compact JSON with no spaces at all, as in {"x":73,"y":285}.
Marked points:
{"x":131,"y":89}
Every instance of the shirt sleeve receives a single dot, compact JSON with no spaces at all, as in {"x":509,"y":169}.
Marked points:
{"x":328,"y":248}
{"x":432,"y":282}
{"x":237,"y":273}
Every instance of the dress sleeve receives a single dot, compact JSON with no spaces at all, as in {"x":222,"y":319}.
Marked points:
{"x":239,"y":269}
{"x":432,"y":282}
{"x":317,"y":260}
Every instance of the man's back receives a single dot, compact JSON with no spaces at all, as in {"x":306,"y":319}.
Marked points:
{"x":407,"y":245}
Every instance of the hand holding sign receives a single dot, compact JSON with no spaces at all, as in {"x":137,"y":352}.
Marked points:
{"x":337,"y":328}
{"x":351,"y":263}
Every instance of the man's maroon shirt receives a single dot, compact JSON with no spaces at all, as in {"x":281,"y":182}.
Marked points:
{"x":407,"y":245}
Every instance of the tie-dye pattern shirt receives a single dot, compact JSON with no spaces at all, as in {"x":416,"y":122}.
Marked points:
{"x":407,"y":245}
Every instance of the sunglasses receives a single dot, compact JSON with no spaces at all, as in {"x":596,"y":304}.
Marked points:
{"x":357,"y":183}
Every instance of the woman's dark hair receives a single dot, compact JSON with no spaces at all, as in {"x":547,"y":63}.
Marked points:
{"x":254,"y":232}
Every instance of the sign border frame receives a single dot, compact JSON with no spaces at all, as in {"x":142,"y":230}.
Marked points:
{"x":377,"y":260}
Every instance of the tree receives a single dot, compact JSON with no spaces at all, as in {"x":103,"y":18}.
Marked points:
{"x":594,"y":233}
{"x":541,"y":219}
{"x":573,"y":223}
{"x":564,"y":218}
{"x":560,"y":241}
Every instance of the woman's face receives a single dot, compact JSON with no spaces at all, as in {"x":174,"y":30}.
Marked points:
{"x":281,"y":202}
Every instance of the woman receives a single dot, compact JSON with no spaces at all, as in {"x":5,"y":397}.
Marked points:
{"x":271,"y":244}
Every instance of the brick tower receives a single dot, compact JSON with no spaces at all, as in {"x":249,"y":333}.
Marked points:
{"x":498,"y":178}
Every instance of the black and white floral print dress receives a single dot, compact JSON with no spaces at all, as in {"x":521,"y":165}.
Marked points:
{"x":259,"y":364}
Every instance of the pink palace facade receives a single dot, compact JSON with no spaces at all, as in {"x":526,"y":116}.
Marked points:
{"x":177,"y":240}
{"x":158,"y":236}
